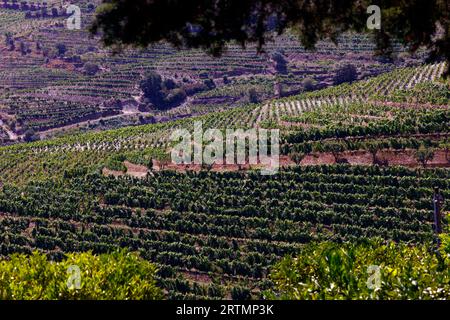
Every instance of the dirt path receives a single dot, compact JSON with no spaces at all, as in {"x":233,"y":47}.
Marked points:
{"x":390,"y":157}
{"x":12,"y":136}
{"x":45,"y":133}
{"x":359,"y":157}
{"x":135,"y":170}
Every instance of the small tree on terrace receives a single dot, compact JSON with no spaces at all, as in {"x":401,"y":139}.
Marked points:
{"x":336,"y":149}
{"x":23,"y":48}
{"x":30,"y":136}
{"x":159,"y":93}
{"x":308,"y":84}
{"x":209,"y":83}
{"x":373,"y":149}
{"x":169,"y":84}
{"x":280,"y":62}
{"x":424,"y":154}
{"x":346,"y":73}
{"x":150,"y":164}
{"x":253,"y":96}
{"x":297,"y":157}
{"x":91,"y":69}
{"x":152,"y":86}
{"x":61,"y":49}
{"x":8,"y":38}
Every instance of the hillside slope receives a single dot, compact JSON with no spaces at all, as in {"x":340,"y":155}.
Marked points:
{"x":215,"y":233}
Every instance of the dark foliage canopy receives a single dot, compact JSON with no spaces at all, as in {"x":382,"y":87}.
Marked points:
{"x":162,"y":94}
{"x":211,"y":24}
{"x":346,"y":73}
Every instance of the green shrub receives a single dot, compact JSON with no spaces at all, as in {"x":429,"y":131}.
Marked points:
{"x":341,"y":271}
{"x":116,"y":276}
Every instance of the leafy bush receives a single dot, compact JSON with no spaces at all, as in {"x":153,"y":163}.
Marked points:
{"x":162,"y":95}
{"x":209,"y":83}
{"x":115,"y":162}
{"x":119,"y":275}
{"x":169,"y":84}
{"x":152,"y":86}
{"x":253,"y":96}
{"x":175,"y":97}
{"x":91,"y":69}
{"x":30,"y":135}
{"x":424,"y":154}
{"x":340,"y":271}
{"x":346,"y":73}
{"x":61,"y":49}
{"x":308,"y":84}
{"x":280,"y":62}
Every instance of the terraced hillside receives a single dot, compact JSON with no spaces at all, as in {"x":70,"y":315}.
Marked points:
{"x":308,"y":125}
{"x":359,"y":161}
{"x":55,"y":80}
{"x":85,"y":152}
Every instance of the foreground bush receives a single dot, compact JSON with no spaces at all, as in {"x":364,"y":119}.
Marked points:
{"x":348,"y":271}
{"x":119,"y":275}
